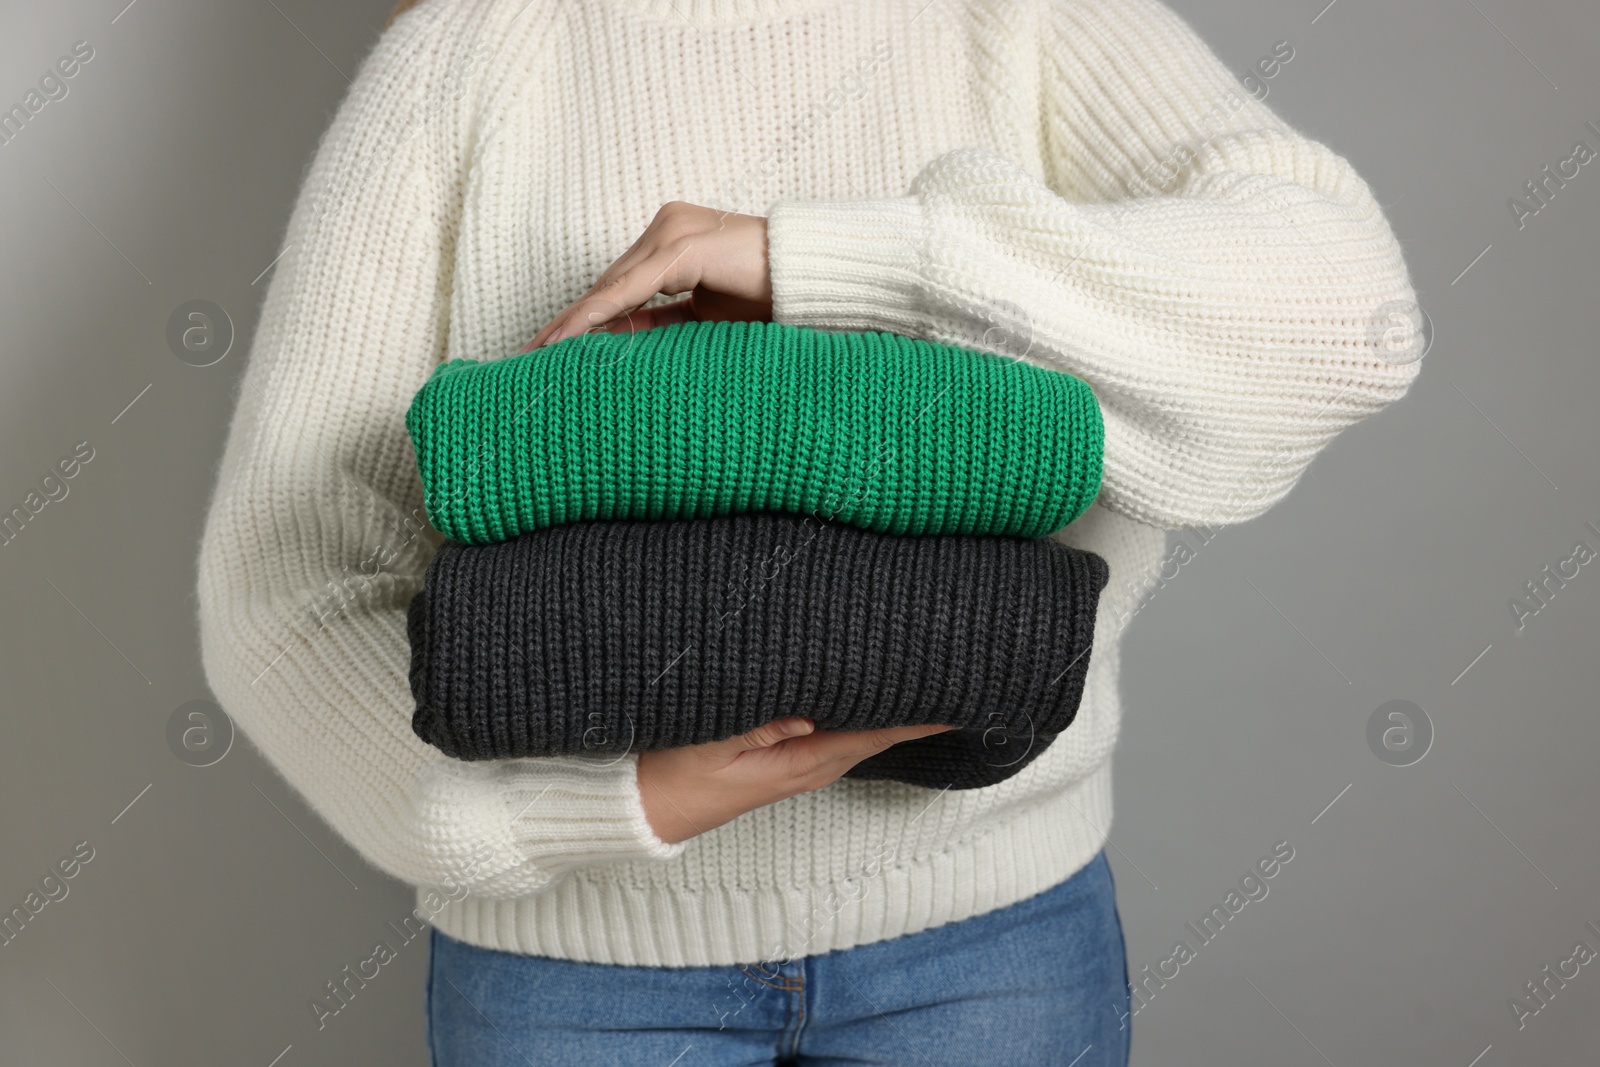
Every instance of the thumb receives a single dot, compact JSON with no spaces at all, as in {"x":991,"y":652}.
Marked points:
{"x":769,"y":734}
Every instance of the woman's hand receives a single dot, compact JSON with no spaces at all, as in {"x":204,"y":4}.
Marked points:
{"x":689,"y":790}
{"x":718,"y":258}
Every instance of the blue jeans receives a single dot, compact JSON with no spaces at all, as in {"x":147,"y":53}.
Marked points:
{"x":1041,"y":982}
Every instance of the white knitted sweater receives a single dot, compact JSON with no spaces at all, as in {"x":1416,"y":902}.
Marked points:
{"x":1079,"y":182}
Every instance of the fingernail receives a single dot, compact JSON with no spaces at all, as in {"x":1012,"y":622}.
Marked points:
{"x":795,"y":727}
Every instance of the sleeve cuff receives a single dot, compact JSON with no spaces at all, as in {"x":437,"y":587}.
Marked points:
{"x":511,"y":827}
{"x":847,"y":265}
{"x":584,"y":810}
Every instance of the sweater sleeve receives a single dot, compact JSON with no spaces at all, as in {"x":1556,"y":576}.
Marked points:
{"x":316,"y":539}
{"x":1229,"y":288}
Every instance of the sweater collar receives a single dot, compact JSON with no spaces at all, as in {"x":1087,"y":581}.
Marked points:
{"x":715,"y":12}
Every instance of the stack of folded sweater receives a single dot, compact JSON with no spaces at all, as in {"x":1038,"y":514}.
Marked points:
{"x":672,"y":536}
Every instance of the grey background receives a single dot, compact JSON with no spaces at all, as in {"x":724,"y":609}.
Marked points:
{"x":1415,"y":906}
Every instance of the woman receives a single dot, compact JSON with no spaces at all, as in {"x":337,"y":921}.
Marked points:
{"x":1079,"y":183}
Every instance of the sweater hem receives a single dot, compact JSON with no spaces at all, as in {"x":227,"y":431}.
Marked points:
{"x":593,"y":917}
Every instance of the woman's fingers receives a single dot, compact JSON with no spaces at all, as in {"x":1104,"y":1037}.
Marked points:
{"x":820,"y":758}
{"x":702,"y":306}
{"x":719,"y":256}
{"x":673,"y":220}
{"x":856,"y":745}
{"x":650,"y":318}
{"x":670,"y":270}
{"x":689,"y":790}
{"x":811,"y":751}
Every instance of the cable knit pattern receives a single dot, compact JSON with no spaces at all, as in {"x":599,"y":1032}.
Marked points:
{"x":600,"y":638}
{"x":1076,"y":183}
{"x":711,"y":418}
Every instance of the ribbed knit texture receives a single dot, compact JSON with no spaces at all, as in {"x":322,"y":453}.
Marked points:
{"x":710,"y":418}
{"x":599,"y":638}
{"x":1078,"y":184}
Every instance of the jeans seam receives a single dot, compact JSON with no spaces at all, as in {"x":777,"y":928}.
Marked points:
{"x":1122,"y":941}
{"x":427,"y":998}
{"x":797,"y":1012}
{"x":780,"y":984}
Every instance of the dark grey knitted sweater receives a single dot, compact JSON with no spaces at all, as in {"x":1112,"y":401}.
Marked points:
{"x":603,"y":637}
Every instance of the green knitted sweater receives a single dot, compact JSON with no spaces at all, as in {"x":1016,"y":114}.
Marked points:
{"x":881,"y":431}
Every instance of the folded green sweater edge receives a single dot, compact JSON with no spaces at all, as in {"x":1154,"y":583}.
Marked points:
{"x":881,"y":431}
